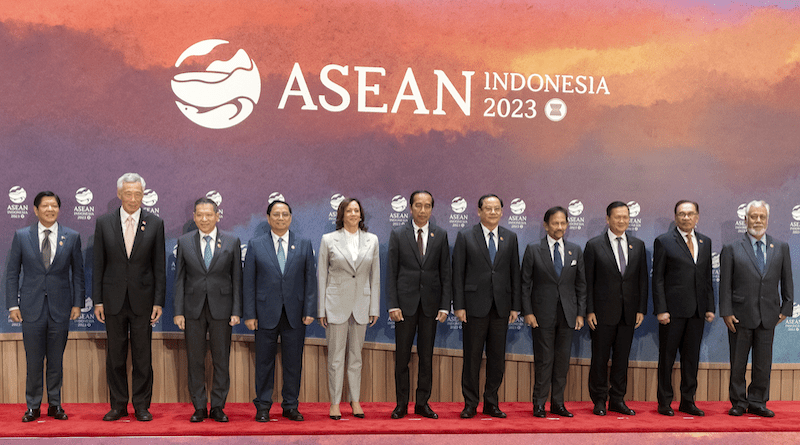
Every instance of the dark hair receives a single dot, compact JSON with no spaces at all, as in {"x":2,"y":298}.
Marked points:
{"x":490,"y":195}
{"x":552,"y":211}
{"x":415,"y":193}
{"x":205,"y":200}
{"x":278,"y":201}
{"x":38,"y":199}
{"x":614,"y":205}
{"x":340,"y":213}
{"x":686,"y":201}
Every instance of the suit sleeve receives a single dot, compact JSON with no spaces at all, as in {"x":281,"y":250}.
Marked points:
{"x":580,"y":284}
{"x":445,"y":274}
{"x":659,"y":262}
{"x":527,"y":280}
{"x":322,"y":277}
{"x":310,"y":297}
{"x":644,"y":278}
{"x":393,"y":271}
{"x":160,"y":266}
{"x":78,"y":284}
{"x":459,"y":266}
{"x":787,"y":283}
{"x":726,"y":281}
{"x":516,"y":284}
{"x":236,"y":278}
{"x":588,"y":261}
{"x":249,"y":283}
{"x":375,"y":282}
{"x":13,"y":267}
{"x":99,"y":262}
{"x":710,"y":305}
{"x":180,"y":277}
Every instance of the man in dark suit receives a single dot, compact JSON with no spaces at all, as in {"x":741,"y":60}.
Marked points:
{"x":756,"y":292}
{"x":129,"y":285}
{"x":554,"y":304}
{"x":616,"y":301}
{"x":486,"y":298}
{"x":280,"y":300}
{"x":682,"y":298}
{"x":208,"y":299}
{"x":50,"y":259}
{"x":419,"y":295}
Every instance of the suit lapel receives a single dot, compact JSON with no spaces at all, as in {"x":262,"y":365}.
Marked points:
{"x":220,"y":242}
{"x":632,"y":256}
{"x":61,"y":238}
{"x":481,"y":240}
{"x":362,"y":246}
{"x":569,"y":256}
{"x":290,"y":252}
{"x":412,"y":241}
{"x":748,"y":250}
{"x":544,"y":254}
{"x":34,"y":236}
{"x":117,"y":224}
{"x":683,"y":246}
{"x":341,"y":245}
{"x":140,"y":230}
{"x":197,"y":247}
{"x":609,"y":247}
{"x":269,"y":244}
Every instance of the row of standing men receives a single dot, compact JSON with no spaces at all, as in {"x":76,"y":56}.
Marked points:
{"x":281,"y":290}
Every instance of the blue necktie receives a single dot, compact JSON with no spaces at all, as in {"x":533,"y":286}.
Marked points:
{"x":760,"y":257}
{"x":281,"y":254}
{"x":557,"y":262}
{"x":621,"y":253}
{"x":207,"y":253}
{"x":492,"y":247}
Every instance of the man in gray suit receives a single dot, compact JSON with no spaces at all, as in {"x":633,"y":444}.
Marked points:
{"x":755,"y":294}
{"x":208,"y":299}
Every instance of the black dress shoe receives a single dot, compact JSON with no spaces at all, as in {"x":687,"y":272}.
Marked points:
{"x":143,"y":415}
{"x":666,"y":410}
{"x":57,"y":412}
{"x":115,"y":414}
{"x":468,"y":412}
{"x":736,"y":411}
{"x":599,"y":409}
{"x":425,"y":411}
{"x":218,"y":415}
{"x":31,"y":414}
{"x":262,"y":415}
{"x":293,"y":414}
{"x":538,"y":411}
{"x":494,"y":411}
{"x":763,"y":412}
{"x":560,"y":410}
{"x":691,"y":409}
{"x":199,"y":415}
{"x":621,"y":407}
{"x":399,"y":411}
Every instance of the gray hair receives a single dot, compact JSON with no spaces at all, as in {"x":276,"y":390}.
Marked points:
{"x":130,"y":177}
{"x":756,"y":203}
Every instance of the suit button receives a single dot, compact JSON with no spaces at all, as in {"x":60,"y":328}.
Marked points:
{"x":354,"y":276}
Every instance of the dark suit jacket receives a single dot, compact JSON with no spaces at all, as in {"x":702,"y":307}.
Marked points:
{"x":680,"y":286}
{"x":62,"y":282}
{"x":752,"y":297}
{"x":542,"y":289}
{"x":413,"y":279}
{"x":221,"y":284}
{"x":613,"y":297}
{"x":266,"y":290}
{"x":143,"y":276}
{"x":476,"y":279}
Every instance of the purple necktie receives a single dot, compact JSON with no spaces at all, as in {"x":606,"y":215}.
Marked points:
{"x":621,"y":254}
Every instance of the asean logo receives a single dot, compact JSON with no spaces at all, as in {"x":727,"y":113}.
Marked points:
{"x":224,"y":94}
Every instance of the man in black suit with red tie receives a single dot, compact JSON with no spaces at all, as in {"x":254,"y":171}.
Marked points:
{"x":683,"y":297}
{"x":486,"y":299}
{"x":419,"y":295}
{"x":129,"y":286}
{"x":616,"y":301}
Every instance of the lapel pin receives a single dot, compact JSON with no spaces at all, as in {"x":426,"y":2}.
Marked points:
{"x":700,"y":241}
{"x":630,"y":246}
{"x":569,"y":252}
{"x":501,"y":238}
{"x":142,"y":228}
{"x":771,"y":246}
{"x":431,"y":234}
{"x":292,"y":246}
{"x":61,"y":243}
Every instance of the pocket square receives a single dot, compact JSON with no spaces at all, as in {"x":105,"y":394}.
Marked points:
{"x":574,"y":263}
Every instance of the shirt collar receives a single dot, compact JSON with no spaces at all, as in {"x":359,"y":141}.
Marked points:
{"x":486,"y":231}
{"x":685,"y":234}
{"x":135,"y":215}
{"x":424,"y":228}
{"x":213,"y":233}
{"x":52,"y":229}
{"x":613,"y":237}
{"x":753,"y":240}
{"x":551,"y":241}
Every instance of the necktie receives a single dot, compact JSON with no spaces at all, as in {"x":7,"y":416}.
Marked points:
{"x":207,"y":252}
{"x":46,"y":251}
{"x":557,"y":262}
{"x":690,"y":244}
{"x":760,"y":257}
{"x":420,"y":245}
{"x":281,"y":254}
{"x":130,"y":234}
{"x":621,"y":253}
{"x":492,"y":247}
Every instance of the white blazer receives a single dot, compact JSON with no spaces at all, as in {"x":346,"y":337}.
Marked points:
{"x":347,"y":287}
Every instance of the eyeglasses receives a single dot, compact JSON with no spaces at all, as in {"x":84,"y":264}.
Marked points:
{"x":686,"y":215}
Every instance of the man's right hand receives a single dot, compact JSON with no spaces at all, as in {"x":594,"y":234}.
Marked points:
{"x":251,"y":324}
{"x":16,"y":316}
{"x":396,"y":315}
{"x":461,"y":314}
{"x":100,"y":314}
{"x":663,"y":318}
{"x":591,"y":320}
{"x":530,"y":320}
{"x":730,"y":322}
{"x":180,"y":322}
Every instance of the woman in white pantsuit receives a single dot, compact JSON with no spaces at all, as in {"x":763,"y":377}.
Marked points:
{"x":349,"y":298}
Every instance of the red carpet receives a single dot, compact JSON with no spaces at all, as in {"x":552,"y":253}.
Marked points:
{"x":172,"y":420}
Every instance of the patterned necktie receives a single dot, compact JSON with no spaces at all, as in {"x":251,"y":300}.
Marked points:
{"x":492,"y":247}
{"x":690,"y":245}
{"x":557,"y":262}
{"x":207,"y":252}
{"x":621,"y":253}
{"x":420,"y":245}
{"x":281,"y":255}
{"x":760,"y":257}
{"x":46,"y":250}
{"x":130,"y":234}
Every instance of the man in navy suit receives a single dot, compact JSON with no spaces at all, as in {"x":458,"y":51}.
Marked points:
{"x":554,"y":304}
{"x":756,"y":292}
{"x":682,"y":298}
{"x":419,"y":295}
{"x":486,"y":299}
{"x":616,"y":301}
{"x":280,"y":300}
{"x":208,"y":299}
{"x":52,"y":293}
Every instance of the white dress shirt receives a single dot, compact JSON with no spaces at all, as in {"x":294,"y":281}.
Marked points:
{"x":615,"y":246}
{"x":203,"y":243}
